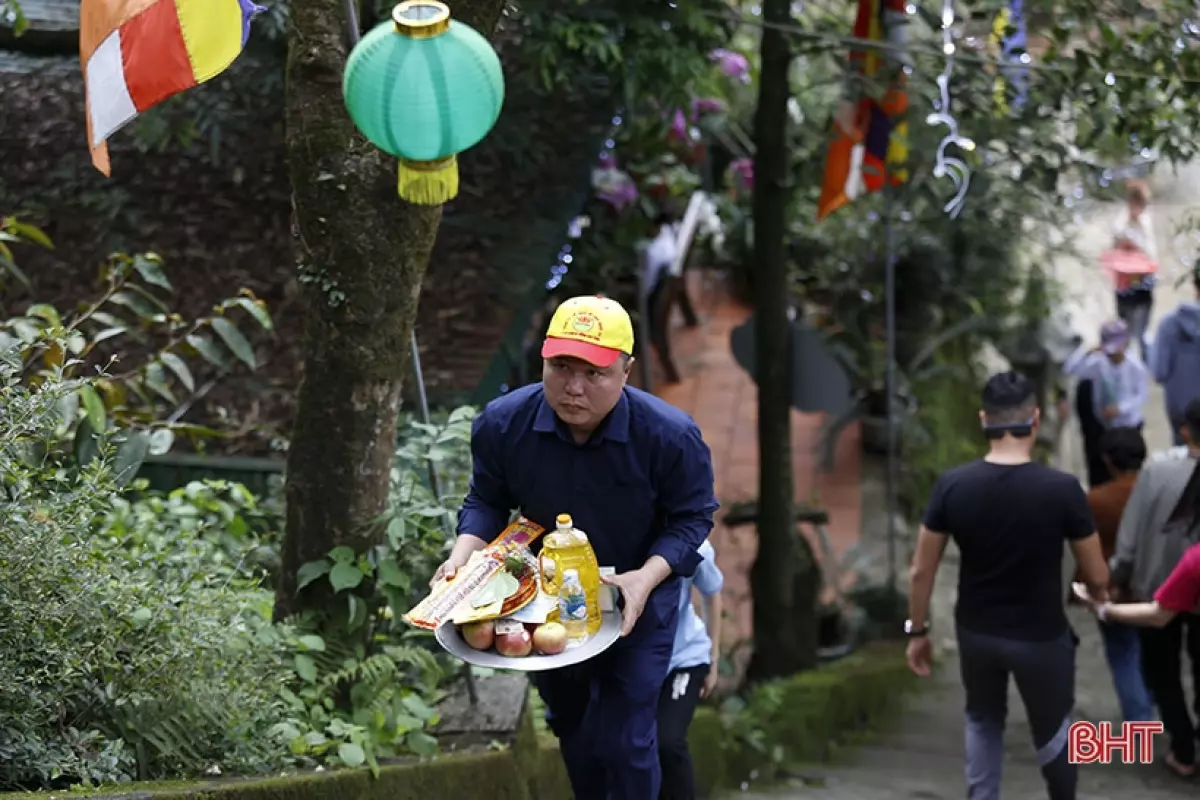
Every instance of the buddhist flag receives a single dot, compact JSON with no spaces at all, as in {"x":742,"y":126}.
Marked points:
{"x":137,"y":53}
{"x":870,"y":135}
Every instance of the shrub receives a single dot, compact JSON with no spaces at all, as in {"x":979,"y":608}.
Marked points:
{"x":114,"y":668}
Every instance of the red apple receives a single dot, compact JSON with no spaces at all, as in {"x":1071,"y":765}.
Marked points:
{"x":550,"y":639}
{"x":479,"y":635}
{"x":512,"y":640}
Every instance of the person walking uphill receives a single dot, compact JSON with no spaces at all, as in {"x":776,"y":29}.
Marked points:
{"x":1009,"y":517}
{"x":635,"y":474}
{"x":1175,"y":358}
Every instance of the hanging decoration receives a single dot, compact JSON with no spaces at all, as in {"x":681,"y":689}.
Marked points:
{"x":870,"y":140}
{"x":424,"y":87}
{"x":1009,"y":40}
{"x":950,"y":166}
{"x":137,"y":53}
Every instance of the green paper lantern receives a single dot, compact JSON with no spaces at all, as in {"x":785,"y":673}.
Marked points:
{"x":423,"y":88}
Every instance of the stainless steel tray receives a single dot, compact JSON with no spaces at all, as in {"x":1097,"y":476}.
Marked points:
{"x":610,"y":630}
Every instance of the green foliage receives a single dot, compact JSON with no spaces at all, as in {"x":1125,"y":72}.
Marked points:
{"x":142,"y":397}
{"x":117,"y":663}
{"x":12,"y":231}
{"x":364,"y":681}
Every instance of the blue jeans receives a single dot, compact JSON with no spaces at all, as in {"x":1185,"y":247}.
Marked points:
{"x":1123,"y":650}
{"x":1045,"y":676}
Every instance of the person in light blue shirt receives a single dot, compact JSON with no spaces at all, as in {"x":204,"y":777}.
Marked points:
{"x":1120,"y":380}
{"x":691,"y":677}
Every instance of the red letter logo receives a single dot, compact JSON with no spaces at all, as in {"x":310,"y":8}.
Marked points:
{"x":1090,"y":744}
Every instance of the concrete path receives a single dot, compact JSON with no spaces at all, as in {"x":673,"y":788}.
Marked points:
{"x":923,"y":758}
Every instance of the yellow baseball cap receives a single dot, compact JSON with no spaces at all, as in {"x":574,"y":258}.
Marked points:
{"x":593,"y":328}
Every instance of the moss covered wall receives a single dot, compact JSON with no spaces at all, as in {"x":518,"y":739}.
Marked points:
{"x":782,"y":724}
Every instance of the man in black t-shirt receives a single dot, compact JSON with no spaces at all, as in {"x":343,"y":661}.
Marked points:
{"x":1009,"y":517}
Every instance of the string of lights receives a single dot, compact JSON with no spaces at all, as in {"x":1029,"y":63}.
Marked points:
{"x":562,"y":263}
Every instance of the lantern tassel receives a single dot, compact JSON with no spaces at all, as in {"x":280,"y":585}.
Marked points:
{"x":429,"y":183}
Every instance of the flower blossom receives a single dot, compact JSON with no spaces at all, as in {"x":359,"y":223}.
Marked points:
{"x":733,"y":64}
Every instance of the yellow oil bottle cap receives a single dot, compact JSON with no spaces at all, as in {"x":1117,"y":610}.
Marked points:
{"x":564,"y":520}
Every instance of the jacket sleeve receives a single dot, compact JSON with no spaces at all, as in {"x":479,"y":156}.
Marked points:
{"x":686,"y":497}
{"x":1162,"y":351}
{"x":1079,"y":364}
{"x":489,"y":503}
{"x":1133,"y":518}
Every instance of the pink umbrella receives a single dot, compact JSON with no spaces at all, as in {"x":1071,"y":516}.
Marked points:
{"x":1124,"y":266}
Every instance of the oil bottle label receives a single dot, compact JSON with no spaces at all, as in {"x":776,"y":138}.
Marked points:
{"x":573,"y":607}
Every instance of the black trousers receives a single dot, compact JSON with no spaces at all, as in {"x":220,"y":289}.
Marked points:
{"x":659,"y":304}
{"x":1091,"y":429}
{"x":676,"y":707}
{"x":1162,"y":656}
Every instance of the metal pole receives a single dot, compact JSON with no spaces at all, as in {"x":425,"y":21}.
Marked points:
{"x":354,"y":36}
{"x":890,"y":380}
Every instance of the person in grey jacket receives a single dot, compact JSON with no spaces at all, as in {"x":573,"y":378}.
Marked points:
{"x":1151,"y":540}
{"x":1175,"y":357}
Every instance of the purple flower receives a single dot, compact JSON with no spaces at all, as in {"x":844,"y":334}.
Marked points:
{"x":706,"y":105}
{"x":615,"y":188}
{"x":743,"y":173}
{"x":607,"y":160}
{"x":734,"y":65}
{"x":679,"y":125}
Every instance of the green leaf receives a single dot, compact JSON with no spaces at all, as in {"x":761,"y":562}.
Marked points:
{"x":421,"y":743}
{"x":351,"y":754}
{"x":312,"y":642}
{"x":207,"y":350}
{"x":390,"y":574}
{"x":30,"y":233}
{"x":131,"y":454}
{"x":161,"y":441}
{"x":177,"y":365}
{"x":238,"y":344}
{"x":310,"y":572}
{"x":345,"y":576}
{"x":358,"y":612}
{"x":141,"y":616}
{"x":149,"y":266}
{"x":306,"y":668}
{"x":156,"y":379}
{"x":94,"y":407}
{"x":135,"y":303}
{"x":501,"y":586}
{"x":342,"y":555}
{"x":256,"y":309}
{"x":46,"y":312}
{"x":87,"y":443}
{"x":418,"y":707}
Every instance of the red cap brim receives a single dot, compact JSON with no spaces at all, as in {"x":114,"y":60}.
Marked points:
{"x":593,"y":354}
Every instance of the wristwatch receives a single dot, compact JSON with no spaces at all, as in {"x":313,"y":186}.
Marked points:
{"x":912,"y":631}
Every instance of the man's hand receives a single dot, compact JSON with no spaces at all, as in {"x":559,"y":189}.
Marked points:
{"x":449,"y":568}
{"x":1110,"y":412}
{"x":710,"y":682}
{"x":635,"y":587}
{"x":920,"y":656}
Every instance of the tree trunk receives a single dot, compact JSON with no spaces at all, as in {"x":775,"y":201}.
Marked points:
{"x":783,"y":579}
{"x":361,"y":254}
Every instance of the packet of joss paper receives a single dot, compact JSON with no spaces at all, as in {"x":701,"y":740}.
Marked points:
{"x":452,"y":599}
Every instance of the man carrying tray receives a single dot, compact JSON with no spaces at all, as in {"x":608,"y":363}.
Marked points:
{"x":635,"y":474}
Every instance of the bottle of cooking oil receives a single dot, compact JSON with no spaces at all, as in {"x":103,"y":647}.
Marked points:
{"x":572,"y":606}
{"x":568,"y":548}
